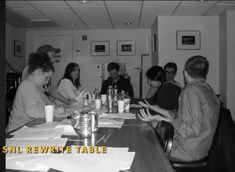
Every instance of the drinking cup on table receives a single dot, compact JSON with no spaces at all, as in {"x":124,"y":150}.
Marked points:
{"x":103,"y":98}
{"x":49,"y":109}
{"x":98,"y":103}
{"x":120,"y":106}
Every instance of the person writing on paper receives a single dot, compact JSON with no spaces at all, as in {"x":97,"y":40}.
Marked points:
{"x":69,"y":86}
{"x":196,"y":119}
{"x":47,"y":93}
{"x":28,"y":103}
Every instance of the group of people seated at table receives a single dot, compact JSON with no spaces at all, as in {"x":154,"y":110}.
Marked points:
{"x":193,"y":109}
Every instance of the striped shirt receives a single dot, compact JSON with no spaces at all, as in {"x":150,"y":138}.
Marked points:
{"x":195,"y":122}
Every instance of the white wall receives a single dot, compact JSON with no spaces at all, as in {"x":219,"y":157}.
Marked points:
{"x":231,"y":62}
{"x":82,"y":49}
{"x":209,"y":27}
{"x":140,"y":36}
{"x":12,"y":34}
{"x":223,"y":57}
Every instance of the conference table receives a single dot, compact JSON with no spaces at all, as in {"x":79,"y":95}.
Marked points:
{"x":138,"y":136}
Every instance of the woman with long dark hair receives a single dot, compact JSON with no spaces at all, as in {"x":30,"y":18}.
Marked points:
{"x":69,"y":86}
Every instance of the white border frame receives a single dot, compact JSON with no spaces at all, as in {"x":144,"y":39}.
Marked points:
{"x":126,"y":53}
{"x":107,"y":48}
{"x":181,"y":33}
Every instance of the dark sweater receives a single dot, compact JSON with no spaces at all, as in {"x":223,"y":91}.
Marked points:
{"x":166,"y":97}
{"x":122,"y":84}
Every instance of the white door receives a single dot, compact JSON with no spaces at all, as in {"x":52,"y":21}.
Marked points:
{"x":64,"y":42}
{"x":91,"y":76}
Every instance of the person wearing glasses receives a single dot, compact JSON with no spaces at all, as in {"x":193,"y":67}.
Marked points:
{"x":196,"y":120}
{"x":170,"y":71}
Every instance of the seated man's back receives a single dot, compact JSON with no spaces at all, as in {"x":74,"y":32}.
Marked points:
{"x":196,"y":121}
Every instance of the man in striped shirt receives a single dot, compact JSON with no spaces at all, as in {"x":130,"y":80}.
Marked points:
{"x":197,"y":117}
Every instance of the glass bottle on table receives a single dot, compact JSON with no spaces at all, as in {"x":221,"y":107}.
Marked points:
{"x":110,"y":99}
{"x":115,"y":99}
{"x":85,"y":99}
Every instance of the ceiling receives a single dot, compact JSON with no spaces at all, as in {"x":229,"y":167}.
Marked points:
{"x":106,"y":14}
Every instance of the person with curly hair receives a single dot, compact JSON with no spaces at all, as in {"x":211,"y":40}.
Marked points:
{"x":29,"y":103}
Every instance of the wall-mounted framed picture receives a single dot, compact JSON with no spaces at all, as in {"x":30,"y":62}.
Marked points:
{"x":100,"y":48}
{"x":188,"y":40}
{"x":18,"y":48}
{"x":126,"y":48}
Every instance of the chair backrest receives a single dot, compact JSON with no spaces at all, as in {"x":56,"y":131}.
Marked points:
{"x":165,"y":134}
{"x":222,"y":153}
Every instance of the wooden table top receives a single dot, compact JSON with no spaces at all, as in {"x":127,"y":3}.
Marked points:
{"x":135,"y":134}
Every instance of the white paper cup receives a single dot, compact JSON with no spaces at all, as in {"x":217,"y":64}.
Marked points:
{"x":120,"y":106}
{"x":49,"y":112}
{"x":98,"y":103}
{"x":103,"y":98}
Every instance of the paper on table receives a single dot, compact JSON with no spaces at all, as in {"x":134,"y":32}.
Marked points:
{"x":110,"y":123}
{"x":30,"y":162}
{"x":23,"y":143}
{"x":38,"y":133}
{"x":119,"y":115}
{"x":68,"y":130}
{"x":112,"y":161}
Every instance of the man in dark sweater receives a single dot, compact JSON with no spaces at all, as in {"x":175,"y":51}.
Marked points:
{"x":118,"y":80}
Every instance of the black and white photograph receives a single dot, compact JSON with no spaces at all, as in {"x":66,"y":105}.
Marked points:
{"x":188,"y":40}
{"x":117,"y":85}
{"x":100,"y":48}
{"x":126,"y":48}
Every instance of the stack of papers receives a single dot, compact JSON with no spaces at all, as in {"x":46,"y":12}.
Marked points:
{"x":119,"y":115}
{"x":114,"y":160}
{"x":110,"y":123}
{"x":38,"y":133}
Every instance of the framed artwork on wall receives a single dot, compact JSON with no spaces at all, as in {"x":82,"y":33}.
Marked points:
{"x":18,"y":48}
{"x":188,"y":40}
{"x":126,"y":48}
{"x":100,"y":48}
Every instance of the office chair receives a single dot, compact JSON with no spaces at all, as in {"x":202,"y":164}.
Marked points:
{"x":165,"y":134}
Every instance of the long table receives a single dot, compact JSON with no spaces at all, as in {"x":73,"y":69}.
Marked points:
{"x":136,"y":135}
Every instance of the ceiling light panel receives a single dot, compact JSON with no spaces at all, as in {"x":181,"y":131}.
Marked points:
{"x":151,"y":9}
{"x":193,"y":8}
{"x":221,"y":7}
{"x":122,"y":12}
{"x":94,"y":14}
{"x":17,"y":4}
{"x":59,"y":12}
